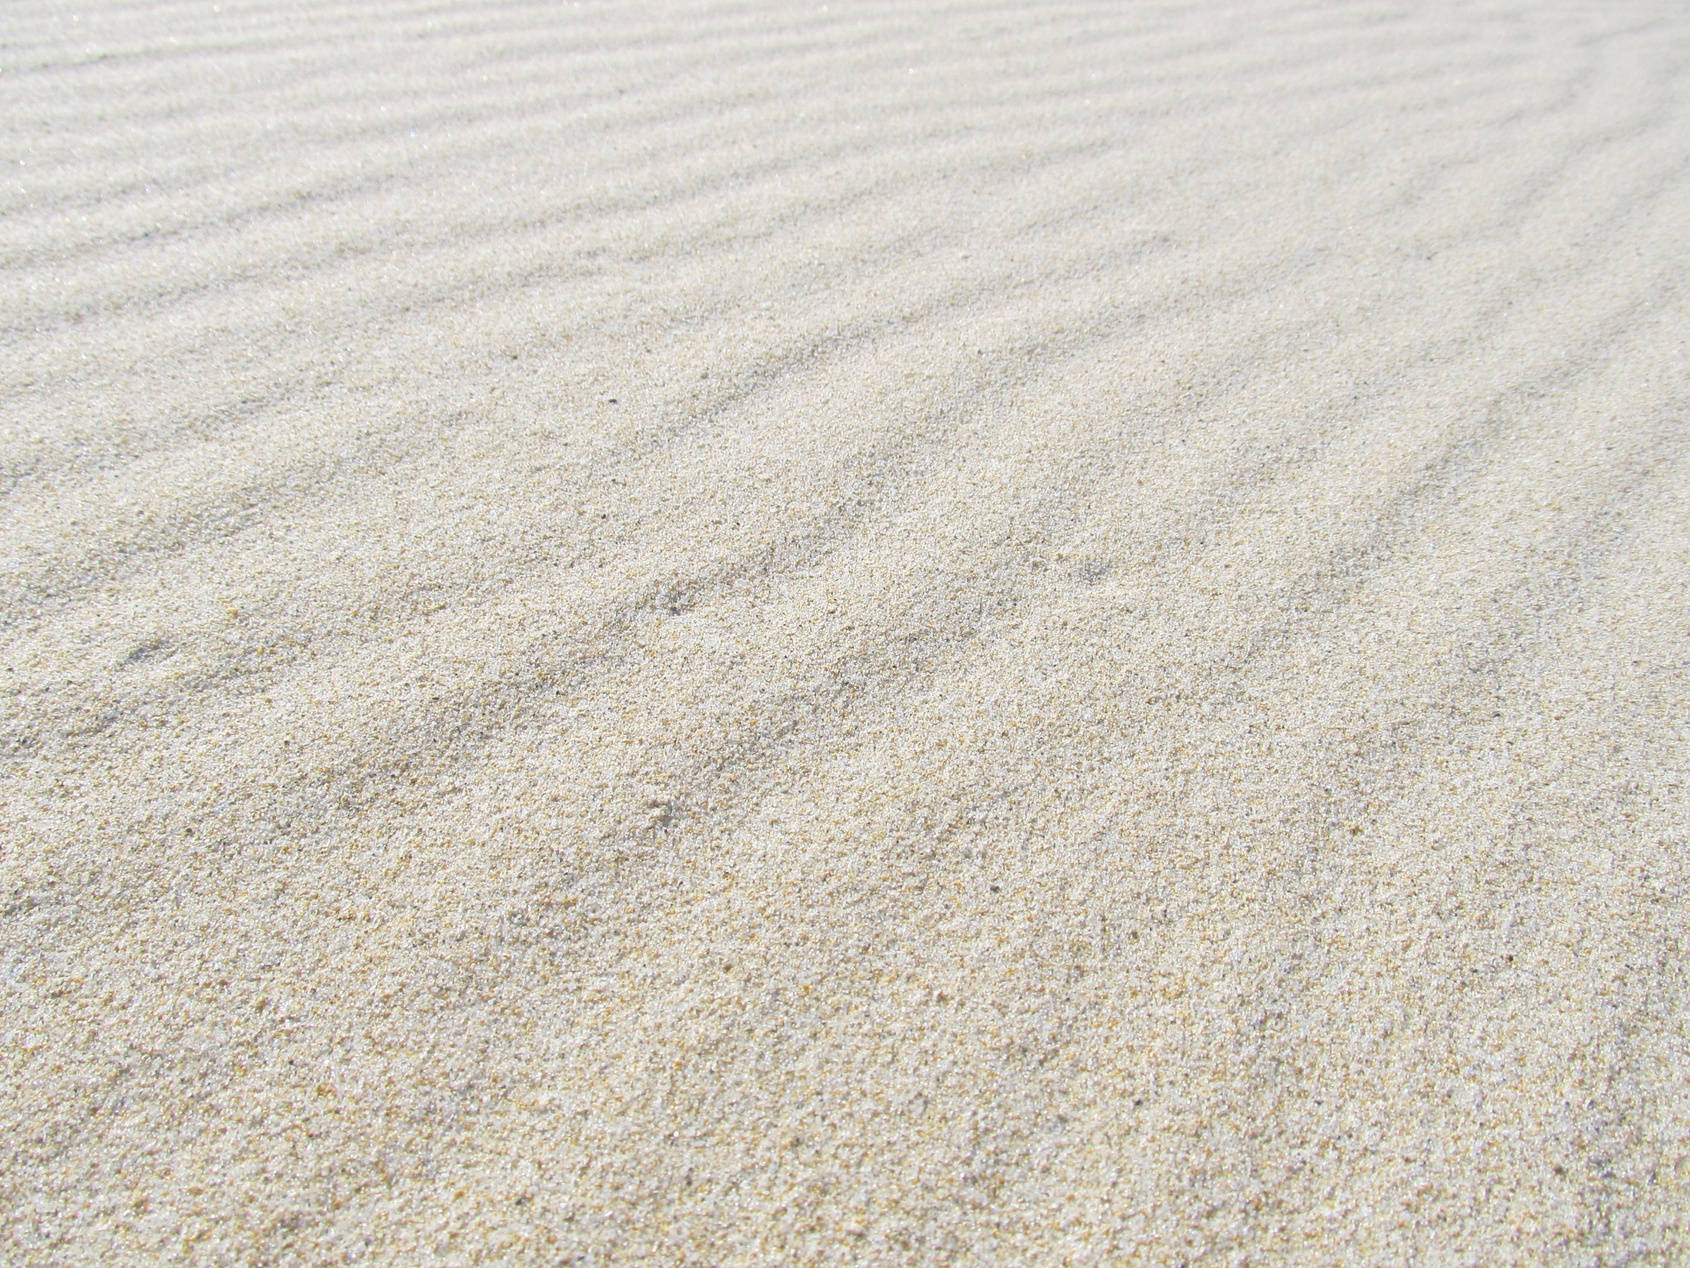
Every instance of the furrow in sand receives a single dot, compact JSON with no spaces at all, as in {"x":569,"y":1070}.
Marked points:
{"x":542,"y":669}
{"x":242,"y":508}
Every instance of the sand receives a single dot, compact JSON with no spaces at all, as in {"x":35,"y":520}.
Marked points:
{"x":845,"y":633}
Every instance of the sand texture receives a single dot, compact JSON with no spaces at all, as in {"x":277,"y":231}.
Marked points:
{"x":845,"y":633}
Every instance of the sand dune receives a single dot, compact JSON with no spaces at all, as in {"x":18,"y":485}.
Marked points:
{"x":845,"y":633}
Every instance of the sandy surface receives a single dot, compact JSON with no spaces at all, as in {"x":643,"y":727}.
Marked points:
{"x":845,"y":633}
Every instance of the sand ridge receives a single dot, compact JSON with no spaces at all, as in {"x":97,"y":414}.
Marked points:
{"x":844,"y":634}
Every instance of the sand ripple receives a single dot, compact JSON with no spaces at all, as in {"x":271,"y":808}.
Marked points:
{"x":844,"y":633}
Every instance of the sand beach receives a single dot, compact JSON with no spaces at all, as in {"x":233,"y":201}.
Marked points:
{"x":844,"y":633}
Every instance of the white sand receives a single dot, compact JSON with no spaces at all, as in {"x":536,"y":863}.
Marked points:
{"x":845,"y":633}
